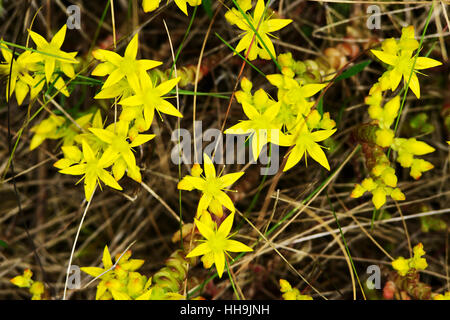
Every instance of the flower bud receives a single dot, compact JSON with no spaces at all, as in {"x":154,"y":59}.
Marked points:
{"x":379,"y":197}
{"x":358,"y":191}
{"x":246,"y":84}
{"x":384,"y":137}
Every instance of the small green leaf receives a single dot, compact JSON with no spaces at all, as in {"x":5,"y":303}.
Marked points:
{"x":320,"y":106}
{"x":207,"y":5}
{"x":3,"y":244}
{"x":357,"y":68}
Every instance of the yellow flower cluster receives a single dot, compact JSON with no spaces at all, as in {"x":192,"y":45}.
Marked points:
{"x":290,"y":293}
{"x":398,"y":54}
{"x":403,"y":266}
{"x":122,"y":281}
{"x":291,"y":121}
{"x":257,"y":27}
{"x":36,"y":288}
{"x":107,"y":151}
{"x":34,"y":68}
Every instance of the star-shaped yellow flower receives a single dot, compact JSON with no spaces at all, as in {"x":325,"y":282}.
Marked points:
{"x":212,"y":187}
{"x":305,"y":143}
{"x":21,"y":81}
{"x":217,"y":243}
{"x":93,"y":170}
{"x":116,"y":136}
{"x":113,"y":281}
{"x":122,"y":67}
{"x":402,"y":60}
{"x":151,"y":98}
{"x":262,"y":126}
{"x":262,"y":24}
{"x":52,"y":55}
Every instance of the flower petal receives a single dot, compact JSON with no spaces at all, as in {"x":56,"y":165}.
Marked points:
{"x":225,"y":226}
{"x":316,"y":152}
{"x":425,"y":63}
{"x":199,"y":250}
{"x":108,"y":179}
{"x":277,"y":24}
{"x":190,"y":183}
{"x":113,"y":78}
{"x":132,"y":48}
{"x":166,"y":86}
{"x":104,"y":135}
{"x":58,"y":38}
{"x":141,"y":139}
{"x":228,"y":179}
{"x":321,"y":135}
{"x":414,"y":85}
{"x":236,"y":246}
{"x":219,"y":261}
{"x":38,"y":39}
{"x":167,"y":108}
{"x":203,"y":204}
{"x":294,"y":156}
{"x":206,"y":231}
{"x":385,"y":57}
{"x":75,"y":170}
{"x":106,"y":259}
{"x":210,"y":171}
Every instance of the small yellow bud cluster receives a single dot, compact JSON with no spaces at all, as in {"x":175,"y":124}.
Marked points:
{"x":322,"y":68}
{"x":407,"y":149}
{"x":36,"y":288}
{"x":121,"y":281}
{"x":382,"y":183}
{"x":404,"y":266}
{"x":185,"y":73}
{"x":445,"y":296}
{"x":290,"y":293}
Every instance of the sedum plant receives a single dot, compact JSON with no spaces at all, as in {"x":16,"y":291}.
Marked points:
{"x":378,"y":135}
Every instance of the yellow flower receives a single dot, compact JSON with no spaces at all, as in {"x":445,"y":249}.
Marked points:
{"x":379,"y":197}
{"x":52,"y":56}
{"x":122,"y":67}
{"x":37,"y":290}
{"x":403,"y":62}
{"x":384,"y":137}
{"x":262,"y":127}
{"x":305,"y":143}
{"x":151,"y":98}
{"x":21,"y":81}
{"x":120,"y":282}
{"x":445,"y":296}
{"x":93,"y":170}
{"x":116,"y":137}
{"x":403,"y":266}
{"x":217,"y":243}
{"x":259,"y":22}
{"x":151,"y":5}
{"x":23,"y":281}
{"x":290,"y":293}
{"x":212,"y":187}
{"x":49,"y":128}
{"x":294,"y":100}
